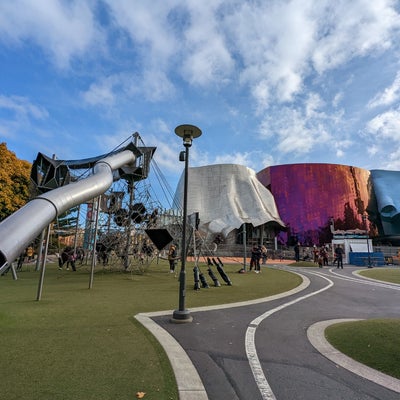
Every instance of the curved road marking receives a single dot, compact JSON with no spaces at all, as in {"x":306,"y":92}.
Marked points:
{"x":251,"y":351}
{"x":363,"y":280}
{"x":190,"y":386}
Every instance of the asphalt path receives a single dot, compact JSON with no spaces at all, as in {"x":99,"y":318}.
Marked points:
{"x":264,"y":350}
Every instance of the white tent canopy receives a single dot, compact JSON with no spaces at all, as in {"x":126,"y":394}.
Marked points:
{"x":226,"y":196}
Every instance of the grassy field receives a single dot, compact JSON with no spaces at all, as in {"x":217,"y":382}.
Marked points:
{"x":375,"y":343}
{"x":79,"y":343}
{"x":383,"y":274}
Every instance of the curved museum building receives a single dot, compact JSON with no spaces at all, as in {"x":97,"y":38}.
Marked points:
{"x":315,"y":199}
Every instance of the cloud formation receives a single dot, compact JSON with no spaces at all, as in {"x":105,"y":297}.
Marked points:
{"x":296,"y":77}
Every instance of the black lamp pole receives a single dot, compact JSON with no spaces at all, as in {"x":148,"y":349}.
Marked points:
{"x":366,"y":231}
{"x":188,"y":133}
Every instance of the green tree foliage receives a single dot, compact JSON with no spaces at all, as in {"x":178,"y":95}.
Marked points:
{"x":14,"y":182}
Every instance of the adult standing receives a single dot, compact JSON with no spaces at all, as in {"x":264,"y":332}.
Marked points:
{"x":255,"y":259}
{"x":172,"y":257}
{"x":264,"y":254}
{"x":297,"y":252}
{"x":339,"y":256}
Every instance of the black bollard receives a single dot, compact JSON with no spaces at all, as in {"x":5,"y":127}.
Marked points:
{"x":211,"y":273}
{"x":196,"y":278}
{"x":203,"y":281}
{"x":221,"y":271}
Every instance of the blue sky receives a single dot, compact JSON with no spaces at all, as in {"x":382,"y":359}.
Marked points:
{"x":267,"y":82}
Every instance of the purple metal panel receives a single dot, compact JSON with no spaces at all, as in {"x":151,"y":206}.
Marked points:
{"x":309,"y":195}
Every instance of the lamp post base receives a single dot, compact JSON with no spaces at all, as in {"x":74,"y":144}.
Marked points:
{"x":181,"y":317}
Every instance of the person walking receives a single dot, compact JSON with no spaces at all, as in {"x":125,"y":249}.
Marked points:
{"x":172,"y":257}
{"x":339,"y":256}
{"x":324,"y":254}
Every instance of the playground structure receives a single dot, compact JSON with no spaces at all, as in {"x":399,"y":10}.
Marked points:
{"x":108,"y":192}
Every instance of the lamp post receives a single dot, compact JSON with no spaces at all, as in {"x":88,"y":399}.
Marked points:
{"x":364,"y":217}
{"x":187,"y":133}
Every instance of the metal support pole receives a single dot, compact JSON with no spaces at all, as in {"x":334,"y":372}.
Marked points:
{"x":187,"y":133}
{"x":97,"y":208}
{"x":182,"y":314}
{"x":40,"y":251}
{"x":43,"y":265}
{"x":244,"y":246}
{"x":77,"y":229}
{"x":369,"y":255}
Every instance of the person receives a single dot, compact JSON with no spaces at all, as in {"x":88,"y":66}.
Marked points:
{"x":21,"y":259}
{"x":264,"y":254}
{"x":80,"y":254}
{"x":315,"y":254}
{"x":297,"y":252}
{"x":324,"y":254}
{"x":255,"y":259}
{"x":320,"y":258}
{"x":339,"y":256}
{"x":71,"y":260}
{"x":30,"y":253}
{"x":172,"y":256}
{"x":68,"y":257}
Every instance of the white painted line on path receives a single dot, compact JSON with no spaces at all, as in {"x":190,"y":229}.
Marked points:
{"x":251,"y":351}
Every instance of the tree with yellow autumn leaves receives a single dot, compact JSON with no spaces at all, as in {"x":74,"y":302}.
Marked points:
{"x":14,"y":182}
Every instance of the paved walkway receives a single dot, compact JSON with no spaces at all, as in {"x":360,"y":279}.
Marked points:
{"x":274,"y":348}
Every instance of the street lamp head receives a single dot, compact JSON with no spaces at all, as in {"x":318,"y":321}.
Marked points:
{"x":187,"y":133}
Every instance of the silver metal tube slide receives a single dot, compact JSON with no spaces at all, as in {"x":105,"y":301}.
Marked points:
{"x":23,"y":226}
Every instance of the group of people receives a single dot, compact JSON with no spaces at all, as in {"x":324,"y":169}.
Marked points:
{"x":258,"y":253}
{"x":321,"y":255}
{"x":68,"y":258}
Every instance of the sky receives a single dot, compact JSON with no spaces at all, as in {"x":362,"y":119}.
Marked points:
{"x":267,"y":82}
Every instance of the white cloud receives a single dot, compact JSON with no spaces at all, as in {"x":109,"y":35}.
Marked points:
{"x":156,"y":86}
{"x":372,"y":150}
{"x":337,"y":99}
{"x":298,"y":130}
{"x":392,"y":161}
{"x":21,"y":107}
{"x":235,"y":158}
{"x":62,"y":29}
{"x":385,"y":126}
{"x":101,"y":92}
{"x":148,"y":28}
{"x":350,"y":29}
{"x":280,"y":44}
{"x":388,"y":96}
{"x":341,"y":146}
{"x":273,"y":42}
{"x":208,"y":59}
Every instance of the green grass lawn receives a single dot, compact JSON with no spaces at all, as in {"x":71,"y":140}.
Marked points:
{"x":79,"y":343}
{"x":383,"y":274}
{"x":375,"y":343}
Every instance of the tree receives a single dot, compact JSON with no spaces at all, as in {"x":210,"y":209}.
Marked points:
{"x":14,"y":182}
